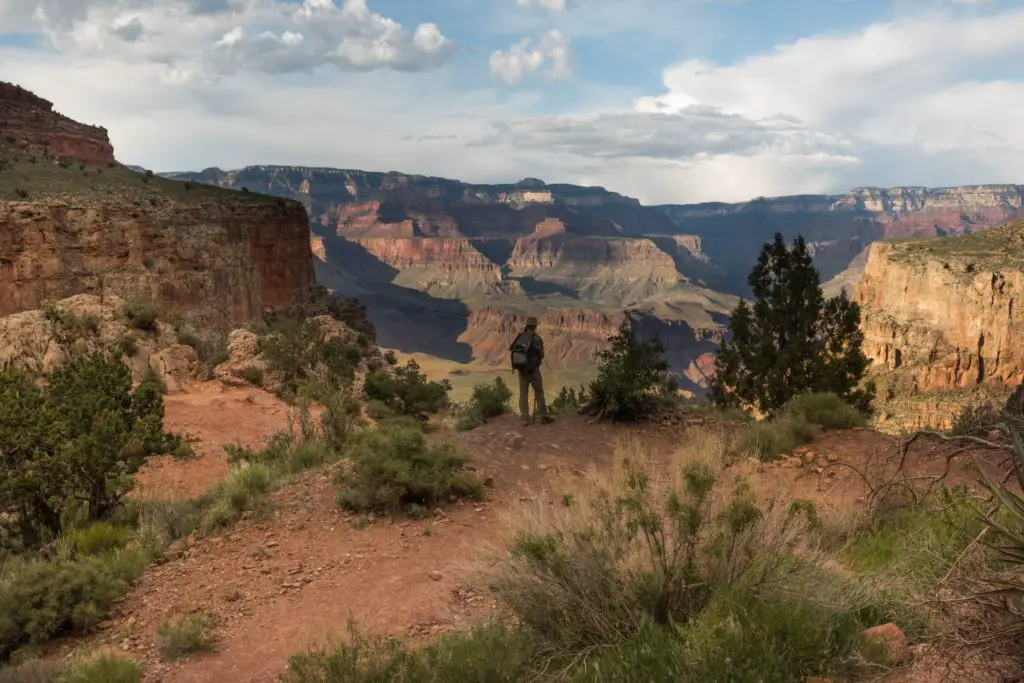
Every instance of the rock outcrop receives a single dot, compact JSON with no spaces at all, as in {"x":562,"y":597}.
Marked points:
{"x":214,"y":258}
{"x":26,"y":341}
{"x":29,"y":121}
{"x":943,"y":318}
{"x":216,"y":264}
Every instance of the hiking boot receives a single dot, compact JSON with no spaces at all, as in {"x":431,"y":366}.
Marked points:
{"x":546,"y":420}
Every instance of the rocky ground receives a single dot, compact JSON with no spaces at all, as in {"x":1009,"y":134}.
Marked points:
{"x":279,"y":584}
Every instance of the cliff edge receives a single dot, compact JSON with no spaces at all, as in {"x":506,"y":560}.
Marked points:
{"x":943,"y":322}
{"x":211,"y":257}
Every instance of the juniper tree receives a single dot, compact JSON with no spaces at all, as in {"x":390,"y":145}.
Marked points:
{"x":791,"y":341}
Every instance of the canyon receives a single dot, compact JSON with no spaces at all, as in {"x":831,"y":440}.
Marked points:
{"x":449,"y":268}
{"x":213,"y":258}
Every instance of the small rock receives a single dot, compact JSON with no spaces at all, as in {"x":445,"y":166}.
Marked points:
{"x":436,"y":575}
{"x":819,"y":470}
{"x":489,"y":481}
{"x":832,"y":457}
{"x":995,"y":435}
{"x":890,"y":638}
{"x":439,"y":513}
{"x":272,"y":544}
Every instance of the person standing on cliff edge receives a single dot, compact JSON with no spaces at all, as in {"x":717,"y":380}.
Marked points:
{"x":527,"y":351}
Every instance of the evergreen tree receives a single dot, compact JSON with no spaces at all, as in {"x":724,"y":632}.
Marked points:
{"x":791,"y":341}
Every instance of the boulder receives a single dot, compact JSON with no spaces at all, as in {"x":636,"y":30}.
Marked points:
{"x":177,"y":365}
{"x":890,"y":642}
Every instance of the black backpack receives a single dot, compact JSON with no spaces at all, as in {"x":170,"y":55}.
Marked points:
{"x":525,"y":355}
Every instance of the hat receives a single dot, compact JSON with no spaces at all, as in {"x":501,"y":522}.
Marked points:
{"x":531,"y":321}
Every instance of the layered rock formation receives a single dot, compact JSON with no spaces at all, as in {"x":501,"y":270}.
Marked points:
{"x":217,"y":264}
{"x":436,"y":260}
{"x":941,"y":318}
{"x":839,"y":227}
{"x":212,"y":257}
{"x":29,"y":121}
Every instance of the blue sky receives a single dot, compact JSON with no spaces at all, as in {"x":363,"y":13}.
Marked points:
{"x":664,"y":100}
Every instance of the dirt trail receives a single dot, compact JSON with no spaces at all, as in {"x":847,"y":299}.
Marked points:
{"x":279,"y":585}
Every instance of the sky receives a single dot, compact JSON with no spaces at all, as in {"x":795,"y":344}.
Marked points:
{"x":669,"y":101}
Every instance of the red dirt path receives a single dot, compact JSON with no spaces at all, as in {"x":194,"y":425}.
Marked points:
{"x":279,"y":585}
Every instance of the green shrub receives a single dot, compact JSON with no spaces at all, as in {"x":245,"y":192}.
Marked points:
{"x":141,"y":315}
{"x":184,"y":635}
{"x":128,"y":345}
{"x":743,"y":635}
{"x":770,"y":439}
{"x":106,"y":668}
{"x":407,"y":391}
{"x":187,"y":337}
{"x":95,"y":539}
{"x":79,"y":437}
{"x":378,"y":410}
{"x":297,"y":351}
{"x":40,"y":600}
{"x":253,"y":374}
{"x":491,"y":400}
{"x":825,"y":409}
{"x":396,"y":471}
{"x":467,"y":422}
{"x":68,"y":328}
{"x":634,"y":551}
{"x":339,"y":417}
{"x":632,"y":377}
{"x":569,"y":401}
{"x":491,"y":654}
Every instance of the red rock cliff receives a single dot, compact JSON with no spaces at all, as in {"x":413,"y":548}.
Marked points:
{"x":213,"y":257}
{"x":944,"y":316}
{"x":219,"y":264}
{"x":31,"y":121}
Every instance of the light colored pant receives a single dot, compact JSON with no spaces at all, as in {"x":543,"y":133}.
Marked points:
{"x":527,"y":380}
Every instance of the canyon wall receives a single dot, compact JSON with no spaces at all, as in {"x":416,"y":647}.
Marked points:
{"x":30,"y":122}
{"x":838,"y":228}
{"x":214,"y":257}
{"x":942,"y":319}
{"x":218,"y":264}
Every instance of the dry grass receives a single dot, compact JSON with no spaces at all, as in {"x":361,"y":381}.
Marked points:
{"x":645,"y":542}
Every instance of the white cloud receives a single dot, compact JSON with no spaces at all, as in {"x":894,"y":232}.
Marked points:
{"x":227,"y":36}
{"x":549,"y":57}
{"x":549,"y":5}
{"x":898,"y":102}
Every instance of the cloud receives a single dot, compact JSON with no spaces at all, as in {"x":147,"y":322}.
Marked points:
{"x":129,"y":29}
{"x":550,"y":57}
{"x":218,"y":37}
{"x":549,"y":5}
{"x":897,"y":102}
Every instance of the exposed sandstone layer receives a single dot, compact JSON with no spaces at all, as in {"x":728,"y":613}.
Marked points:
{"x":942,"y":318}
{"x":30,"y":121}
{"x":216,"y":264}
{"x":26,"y":342}
{"x":211,"y":257}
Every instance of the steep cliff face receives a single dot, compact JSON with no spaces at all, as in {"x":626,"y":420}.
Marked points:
{"x":220,"y":263}
{"x":942,"y":317}
{"x":214,"y":257}
{"x":28,"y":121}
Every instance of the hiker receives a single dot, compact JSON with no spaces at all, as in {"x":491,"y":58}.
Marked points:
{"x":527,"y":353}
